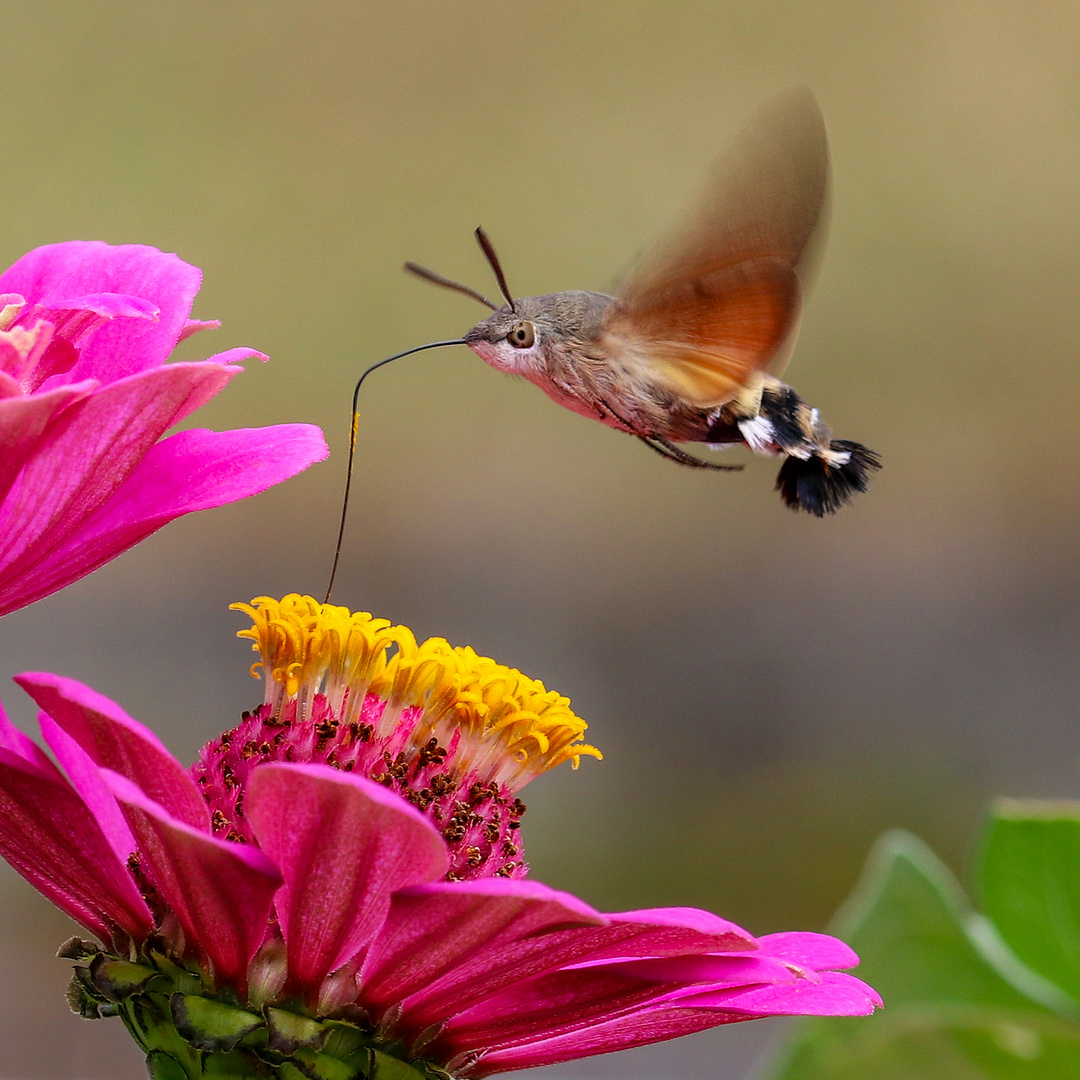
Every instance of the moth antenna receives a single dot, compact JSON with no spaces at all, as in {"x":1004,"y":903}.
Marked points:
{"x":352,"y":446}
{"x":493,"y":259}
{"x":446,"y":283}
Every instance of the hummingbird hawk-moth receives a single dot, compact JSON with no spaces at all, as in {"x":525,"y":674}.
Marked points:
{"x":693,"y":346}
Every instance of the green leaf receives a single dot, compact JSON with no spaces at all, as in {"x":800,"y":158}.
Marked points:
{"x":939,"y":1042}
{"x":1030,"y":880}
{"x":956,"y":1000}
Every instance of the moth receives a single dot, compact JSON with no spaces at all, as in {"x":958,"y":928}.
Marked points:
{"x":693,"y":346}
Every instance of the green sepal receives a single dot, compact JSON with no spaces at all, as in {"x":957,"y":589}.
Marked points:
{"x":316,"y":1066}
{"x":83,"y":997}
{"x":235,"y":1065}
{"x":119,"y":979}
{"x":148,"y":1020}
{"x":347,"y":1042}
{"x":183,"y":980}
{"x":210,"y":1025}
{"x":289,"y":1031}
{"x":162,"y":1066}
{"x":392,"y":1068}
{"x":288,"y":1071}
{"x":79,"y":949}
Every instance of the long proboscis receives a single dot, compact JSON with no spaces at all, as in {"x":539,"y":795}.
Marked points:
{"x":352,"y":446}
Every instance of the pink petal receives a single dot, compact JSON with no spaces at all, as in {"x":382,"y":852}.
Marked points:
{"x":818,"y":952}
{"x":564,"y":1001}
{"x":192,"y":470}
{"x":58,"y":272}
{"x":623,"y":1033}
{"x":456,"y":941}
{"x":193,"y":326}
{"x":86,"y":779}
{"x":835,"y":994}
{"x":682,"y":929}
{"x":630,"y":934}
{"x":23,"y":423}
{"x":115,"y":741}
{"x":227,"y":362}
{"x":547,"y":1007}
{"x":74,"y":323}
{"x":198,"y":469}
{"x":87,"y":453}
{"x":106,"y":305}
{"x":344,"y":845}
{"x":22,"y":746}
{"x":712,"y":969}
{"x":220,"y":891}
{"x":832,"y":993}
{"x":51,"y":838}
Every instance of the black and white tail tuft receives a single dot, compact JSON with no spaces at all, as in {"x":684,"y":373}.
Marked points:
{"x":820,"y":487}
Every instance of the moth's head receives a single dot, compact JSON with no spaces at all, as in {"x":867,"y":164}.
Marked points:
{"x":514,"y":340}
{"x":518,"y":336}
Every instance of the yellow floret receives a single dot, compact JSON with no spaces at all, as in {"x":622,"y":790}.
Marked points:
{"x":307,"y":648}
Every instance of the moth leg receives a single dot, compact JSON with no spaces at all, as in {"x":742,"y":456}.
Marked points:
{"x":605,"y":412}
{"x":670,"y":451}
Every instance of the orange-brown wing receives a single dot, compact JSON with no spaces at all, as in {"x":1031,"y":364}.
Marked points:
{"x":719,"y":298}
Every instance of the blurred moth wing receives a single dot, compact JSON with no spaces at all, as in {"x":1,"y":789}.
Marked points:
{"x":717,"y":300}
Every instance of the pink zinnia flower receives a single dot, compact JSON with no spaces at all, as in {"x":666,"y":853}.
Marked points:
{"x":85,"y":395}
{"x":336,"y":886}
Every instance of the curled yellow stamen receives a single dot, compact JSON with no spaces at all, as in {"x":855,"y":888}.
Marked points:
{"x":511,"y":727}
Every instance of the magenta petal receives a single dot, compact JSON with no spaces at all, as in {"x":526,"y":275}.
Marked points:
{"x":622,"y":1033}
{"x":572,"y":998}
{"x":548,"y":1006}
{"x":831,"y":993}
{"x":664,"y":932}
{"x":109,"y":305}
{"x":632,"y":934}
{"x":86,"y":779}
{"x":718,"y":971}
{"x":683,"y":928}
{"x":222,"y":367}
{"x":817,"y":952}
{"x":197,"y":470}
{"x":457,"y":941}
{"x":192,"y":470}
{"x":15,"y":742}
{"x":75,"y":322}
{"x":220,"y":891}
{"x":193,"y":326}
{"x":115,"y":741}
{"x":88,"y":452}
{"x":48,"y":834}
{"x":344,"y":845}
{"x":58,"y":272}
{"x":506,"y":1035}
{"x":23,"y":423}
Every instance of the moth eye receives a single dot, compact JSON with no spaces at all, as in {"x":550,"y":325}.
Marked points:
{"x":522,"y":336}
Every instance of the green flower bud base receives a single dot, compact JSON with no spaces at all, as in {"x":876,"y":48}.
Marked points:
{"x":188,"y":1031}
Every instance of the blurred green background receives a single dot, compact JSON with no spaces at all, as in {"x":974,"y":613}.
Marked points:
{"x":770,"y":691}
